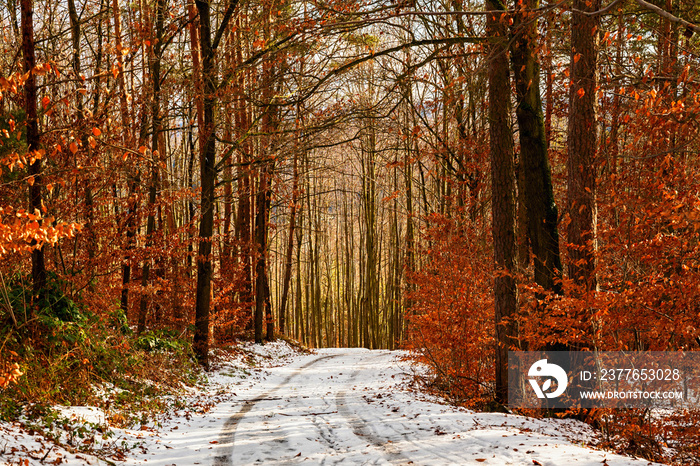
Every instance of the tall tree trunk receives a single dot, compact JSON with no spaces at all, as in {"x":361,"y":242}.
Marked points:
{"x":370,"y":297}
{"x":300,"y":329}
{"x":582,"y":133}
{"x":243,"y":220}
{"x":503,"y":192}
{"x":227,"y":251}
{"x":207,"y":180}
{"x":290,"y":243}
{"x":261,"y":258}
{"x":207,"y":173}
{"x":263,"y":197}
{"x":536,"y":186}
{"x":33,"y":142}
{"x":155,"y":59}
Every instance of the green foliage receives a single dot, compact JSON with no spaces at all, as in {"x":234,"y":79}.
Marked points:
{"x":53,"y":305}
{"x":67,"y":351}
{"x":10,"y":124}
{"x":162,"y":340}
{"x":54,"y":314}
{"x":119,"y":321}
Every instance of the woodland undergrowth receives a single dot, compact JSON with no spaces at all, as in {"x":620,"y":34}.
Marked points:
{"x":60,"y":352}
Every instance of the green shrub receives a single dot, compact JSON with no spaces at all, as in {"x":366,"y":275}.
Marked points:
{"x":162,"y":340}
{"x":66,"y":350}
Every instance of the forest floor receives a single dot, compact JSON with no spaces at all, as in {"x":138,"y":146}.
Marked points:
{"x":274,"y":405}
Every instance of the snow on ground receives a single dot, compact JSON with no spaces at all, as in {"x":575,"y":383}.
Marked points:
{"x":334,"y":406}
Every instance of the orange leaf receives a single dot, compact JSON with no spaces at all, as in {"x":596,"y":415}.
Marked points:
{"x":45,"y":101}
{"x":96,"y":131}
{"x":580,"y":92}
{"x":73,"y":147}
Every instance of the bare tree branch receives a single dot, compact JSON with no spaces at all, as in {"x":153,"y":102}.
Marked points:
{"x":224,"y":22}
{"x":668,"y":16}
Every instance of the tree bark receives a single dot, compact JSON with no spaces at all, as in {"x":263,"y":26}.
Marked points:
{"x":207,"y":173}
{"x":503,"y":192}
{"x":132,"y":179}
{"x":582,"y":134}
{"x":263,"y":316}
{"x":81,"y":129}
{"x":290,"y":244}
{"x":33,"y":140}
{"x":536,"y":181}
{"x":261,"y":258}
{"x":208,"y":180}
{"x":155,"y":59}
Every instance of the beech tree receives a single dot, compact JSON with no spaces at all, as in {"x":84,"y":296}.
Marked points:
{"x":582,"y":142}
{"x":503,"y":189}
{"x":534,"y":174}
{"x":33,"y":142}
{"x":207,"y":161}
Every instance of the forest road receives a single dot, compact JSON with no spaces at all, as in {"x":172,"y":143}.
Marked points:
{"x":350,"y":407}
{"x":325,"y":410}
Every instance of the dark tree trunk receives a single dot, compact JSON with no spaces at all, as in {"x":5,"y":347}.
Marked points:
{"x":155,"y":154}
{"x":130,"y":227}
{"x":81,"y":128}
{"x":536,"y":182}
{"x":207,"y":171}
{"x":208,"y":179}
{"x":581,"y":167}
{"x":33,"y":143}
{"x":503,"y":192}
{"x":261,"y":258}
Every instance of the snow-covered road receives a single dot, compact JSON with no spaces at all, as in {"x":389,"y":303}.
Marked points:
{"x":344,"y":406}
{"x":336,"y":406}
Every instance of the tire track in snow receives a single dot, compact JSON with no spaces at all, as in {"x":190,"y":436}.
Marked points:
{"x":228,"y":433}
{"x":407,"y":436}
{"x":360,"y":427}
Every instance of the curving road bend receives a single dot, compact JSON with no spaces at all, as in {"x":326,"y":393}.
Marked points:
{"x":345,"y":406}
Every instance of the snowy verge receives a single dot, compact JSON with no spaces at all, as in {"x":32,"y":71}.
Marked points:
{"x":71,"y":433}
